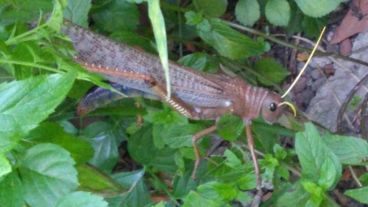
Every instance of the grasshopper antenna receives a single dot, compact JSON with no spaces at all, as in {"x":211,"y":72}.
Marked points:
{"x":304,"y":67}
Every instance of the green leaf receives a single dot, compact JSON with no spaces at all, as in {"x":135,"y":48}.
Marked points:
{"x":78,"y":199}
{"x":166,"y":116}
{"x":211,"y":8}
{"x":113,"y":15}
{"x":24,"y":104}
{"x":5,"y":166}
{"x":230,"y":127}
{"x":48,"y":174}
{"x":105,"y":139}
{"x":56,"y":20}
{"x":319,"y":163}
{"x":200,"y":61}
{"x":81,"y":150}
{"x":175,"y":136}
{"x":293,"y":195}
{"x":359,"y":194}
{"x":91,"y":179}
{"x":138,"y":194}
{"x":159,"y":30}
{"x":350,"y":150}
{"x":247,"y":12}
{"x":211,"y":194}
{"x":77,"y":11}
{"x":227,"y":41}
{"x":278,"y":12}
{"x":182,"y":185}
{"x":270,"y":71}
{"x":317,"y":8}
{"x":313,"y":26}
{"x":11,"y":191}
{"x":142,"y":149}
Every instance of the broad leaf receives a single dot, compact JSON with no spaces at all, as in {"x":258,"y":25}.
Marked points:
{"x":48,"y":174}
{"x":319,"y":163}
{"x":11,"y":191}
{"x":175,"y":136}
{"x":278,"y":12}
{"x":211,"y":8}
{"x":247,"y":12}
{"x":270,"y":71}
{"x":317,"y":8}
{"x":92,"y":179}
{"x":200,"y":61}
{"x":80,"y":149}
{"x":230,"y":127}
{"x":138,"y":194}
{"x":5,"y":166}
{"x":77,"y":11}
{"x":114,"y":15}
{"x":79,"y":199}
{"x":56,"y":19}
{"x":359,"y":194}
{"x":227,"y":41}
{"x":24,"y":104}
{"x":350,"y":150}
{"x":143,"y":150}
{"x":105,"y":139}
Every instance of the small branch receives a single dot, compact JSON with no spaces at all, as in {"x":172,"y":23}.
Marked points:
{"x":355,"y":178}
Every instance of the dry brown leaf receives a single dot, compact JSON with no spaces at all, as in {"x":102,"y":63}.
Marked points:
{"x":354,"y":22}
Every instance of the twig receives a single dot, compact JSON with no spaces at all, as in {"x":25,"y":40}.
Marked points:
{"x":355,"y":178}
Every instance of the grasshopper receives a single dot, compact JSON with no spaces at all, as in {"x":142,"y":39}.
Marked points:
{"x":196,"y":95}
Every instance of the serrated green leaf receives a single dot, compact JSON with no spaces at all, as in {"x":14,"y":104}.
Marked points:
{"x":11,"y":191}
{"x":317,"y":8}
{"x":200,"y":61}
{"x":91,"y":179}
{"x":48,"y":174}
{"x":319,"y":163}
{"x":165,"y":117}
{"x":293,"y":195}
{"x":227,"y":41}
{"x":247,"y":12}
{"x":211,"y":8}
{"x":142,"y":149}
{"x":78,"y":199}
{"x":105,"y":139}
{"x":56,"y":20}
{"x":5,"y":166}
{"x":313,"y":26}
{"x":359,"y":194}
{"x":182,"y":185}
{"x":77,"y":11}
{"x":138,"y":194}
{"x":278,"y":12}
{"x":175,"y":136}
{"x":230,"y":127}
{"x":350,"y":150}
{"x":81,"y":150}
{"x":270,"y":71}
{"x":24,"y":104}
{"x":114,"y":15}
{"x":231,"y":159}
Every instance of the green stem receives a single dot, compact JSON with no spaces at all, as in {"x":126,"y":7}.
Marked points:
{"x":17,"y":39}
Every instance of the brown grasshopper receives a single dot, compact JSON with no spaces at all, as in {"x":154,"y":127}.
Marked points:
{"x":195,"y":95}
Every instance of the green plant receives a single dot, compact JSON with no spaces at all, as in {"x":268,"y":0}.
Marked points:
{"x":45,"y":160}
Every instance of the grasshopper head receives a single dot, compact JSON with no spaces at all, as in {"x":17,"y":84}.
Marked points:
{"x":272,"y":109}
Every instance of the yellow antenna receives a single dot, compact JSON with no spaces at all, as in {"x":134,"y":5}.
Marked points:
{"x":292,"y":107}
{"x":306,"y":63}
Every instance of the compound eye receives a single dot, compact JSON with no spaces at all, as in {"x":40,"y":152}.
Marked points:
{"x":273,"y":107}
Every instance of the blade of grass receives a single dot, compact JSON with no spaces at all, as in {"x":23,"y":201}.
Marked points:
{"x":158,"y":26}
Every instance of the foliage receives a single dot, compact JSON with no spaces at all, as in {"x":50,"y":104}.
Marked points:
{"x":50,"y":157}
